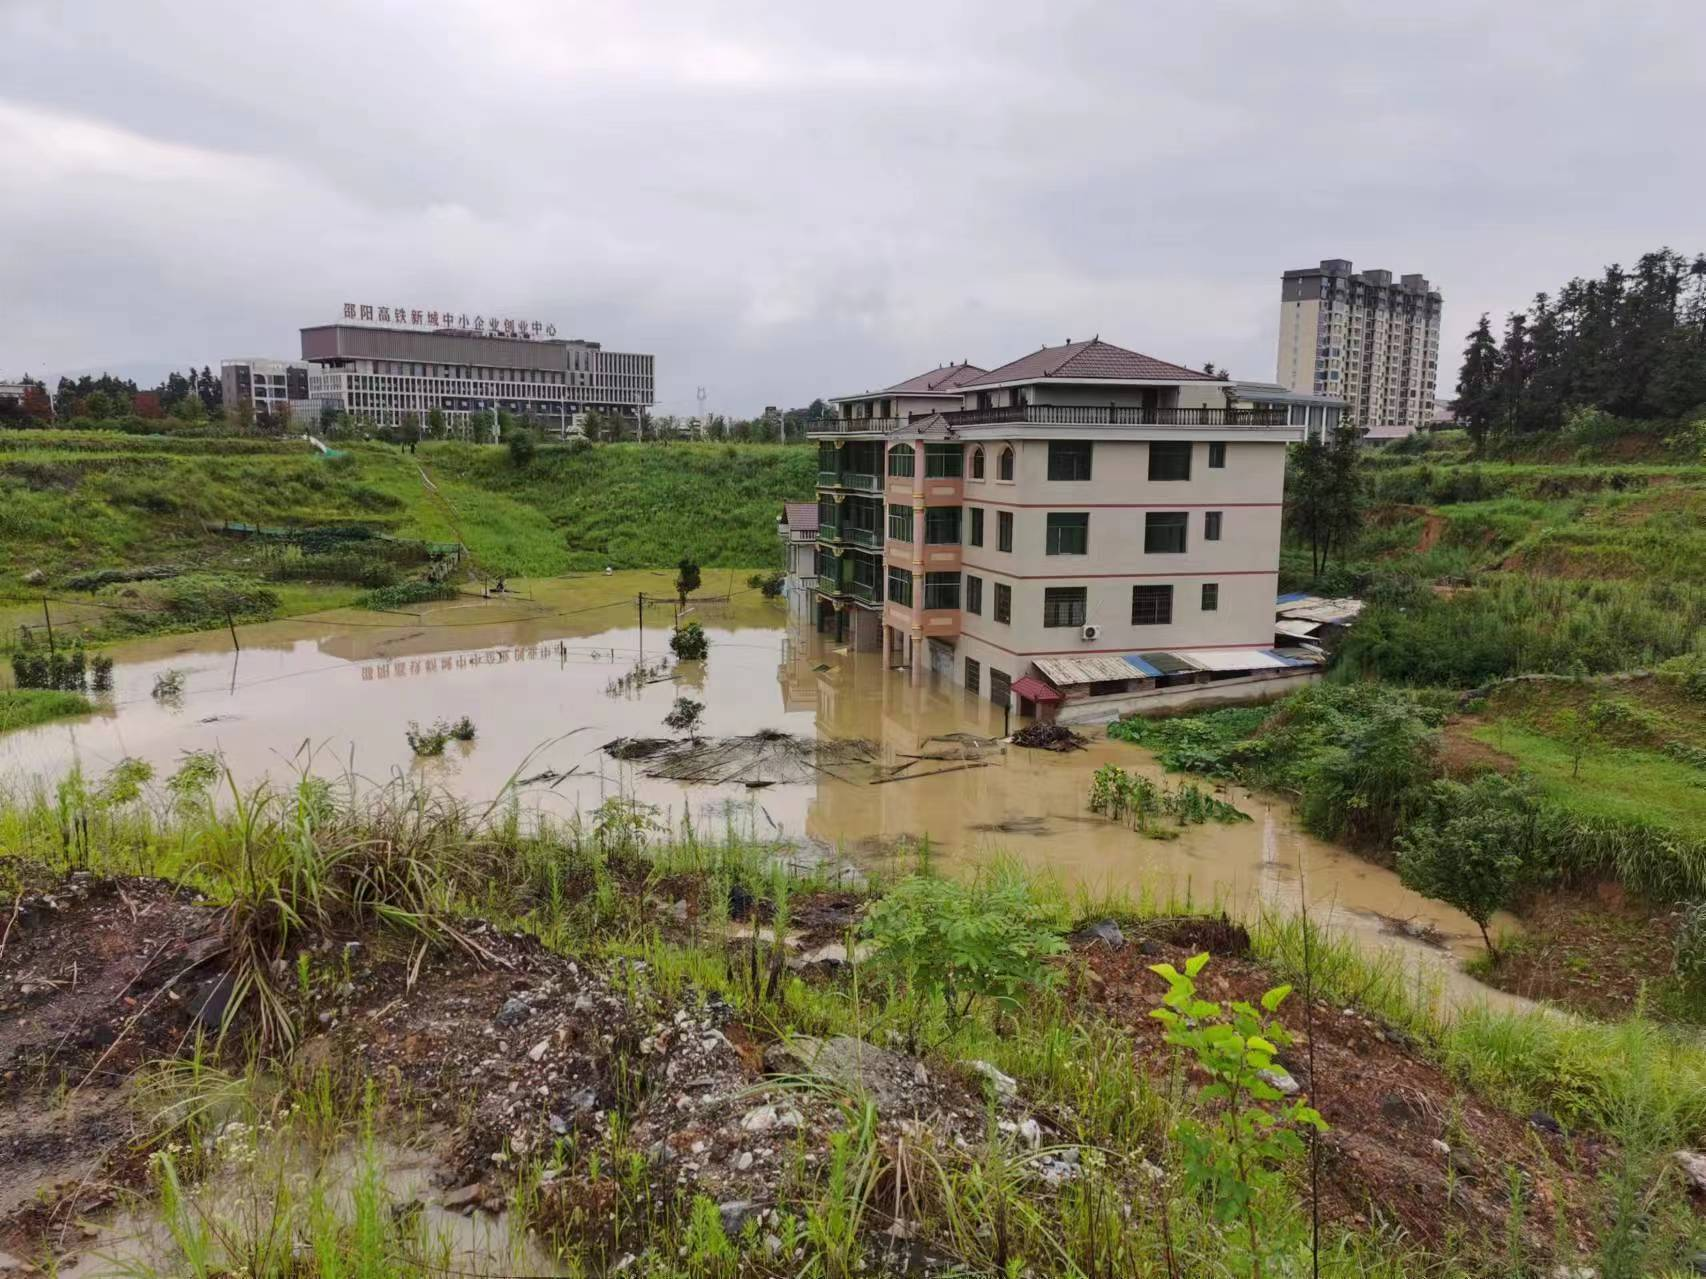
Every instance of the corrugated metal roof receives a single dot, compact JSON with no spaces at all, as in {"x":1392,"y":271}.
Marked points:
{"x":1082,"y":670}
{"x":1233,"y":659}
{"x":1296,"y":629}
{"x":1171,"y":663}
{"x":1137,"y":663}
{"x":1291,"y":597}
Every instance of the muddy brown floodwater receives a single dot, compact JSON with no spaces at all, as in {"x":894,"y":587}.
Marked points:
{"x":539,"y":679}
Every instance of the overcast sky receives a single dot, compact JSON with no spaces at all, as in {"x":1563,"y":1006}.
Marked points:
{"x":784,"y":199}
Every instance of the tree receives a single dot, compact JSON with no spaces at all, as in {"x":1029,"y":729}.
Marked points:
{"x":1474,"y":846}
{"x":190,"y":409}
{"x":689,"y":643}
{"x":435,"y":423}
{"x":686,"y":581}
{"x":410,"y":434}
{"x":1477,"y":400}
{"x":523,"y":445}
{"x":211,"y":390}
{"x":684,"y":716}
{"x":97,"y":405}
{"x":1325,"y":492}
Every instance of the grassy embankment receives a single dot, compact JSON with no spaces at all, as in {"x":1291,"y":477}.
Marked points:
{"x":1478,"y":571}
{"x":289,"y":873}
{"x":78,"y":503}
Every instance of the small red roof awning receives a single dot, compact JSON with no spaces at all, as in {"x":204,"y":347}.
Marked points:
{"x":1033,"y":689}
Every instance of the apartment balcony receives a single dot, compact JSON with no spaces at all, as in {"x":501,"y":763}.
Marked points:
{"x":841,"y":427}
{"x":851,"y":535}
{"x":1112,"y":415}
{"x":858,"y":481}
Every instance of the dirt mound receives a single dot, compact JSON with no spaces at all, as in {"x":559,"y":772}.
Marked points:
{"x":1049,"y":737}
{"x":1407,"y":1147}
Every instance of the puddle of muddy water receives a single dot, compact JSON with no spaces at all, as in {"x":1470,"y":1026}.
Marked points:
{"x":534,"y":677}
{"x":283,"y":1187}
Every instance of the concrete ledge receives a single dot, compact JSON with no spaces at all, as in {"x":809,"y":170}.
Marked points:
{"x":1166,"y":701}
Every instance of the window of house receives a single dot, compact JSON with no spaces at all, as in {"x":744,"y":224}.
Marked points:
{"x":977,"y":463}
{"x":942,"y":590}
{"x":900,"y":587}
{"x":1211,"y":526}
{"x":974,"y":594}
{"x":1003,"y":603}
{"x":1069,"y":459}
{"x":1164,"y":532}
{"x":1217,"y":455}
{"x":975,"y":536}
{"x":942,"y":525}
{"x":1068,"y":533}
{"x":1064,"y":605}
{"x":900,"y":522}
{"x":943,"y":461}
{"x":1210,"y":596}
{"x":1151,"y":605}
{"x":1004,"y":530}
{"x":1004,"y":464}
{"x":901,"y":460}
{"x":1000,"y":687}
{"x":974,"y":675}
{"x":1170,"y":460}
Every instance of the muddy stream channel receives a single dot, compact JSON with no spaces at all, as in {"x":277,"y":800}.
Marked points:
{"x":543,"y":681}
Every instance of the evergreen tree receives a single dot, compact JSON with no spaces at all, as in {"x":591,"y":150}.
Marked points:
{"x":1477,"y":402}
{"x":1325,"y":493}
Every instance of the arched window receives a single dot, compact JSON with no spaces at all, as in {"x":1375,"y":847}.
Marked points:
{"x":977,"y":463}
{"x":1004,"y":469}
{"x":901,"y":460}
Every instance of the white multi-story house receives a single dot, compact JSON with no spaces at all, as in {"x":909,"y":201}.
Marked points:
{"x":1084,"y":521}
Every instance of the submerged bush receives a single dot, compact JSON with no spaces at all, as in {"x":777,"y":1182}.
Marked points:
{"x":689,"y":642}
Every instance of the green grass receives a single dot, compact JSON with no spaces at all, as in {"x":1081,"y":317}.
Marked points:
{"x":1617,"y":783}
{"x":27,"y":707}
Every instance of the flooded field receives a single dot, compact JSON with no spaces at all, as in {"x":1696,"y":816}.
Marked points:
{"x":546,"y":681}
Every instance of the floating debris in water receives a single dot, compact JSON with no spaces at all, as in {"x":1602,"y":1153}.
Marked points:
{"x":764,"y":758}
{"x":1049,"y":737}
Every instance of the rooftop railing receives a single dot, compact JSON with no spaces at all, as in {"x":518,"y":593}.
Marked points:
{"x":854,"y":425}
{"x":1111,"y":415}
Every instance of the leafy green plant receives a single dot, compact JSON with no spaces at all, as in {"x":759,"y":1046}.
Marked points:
{"x":689,"y":642}
{"x":1236,"y":1145}
{"x":462,"y":730}
{"x":169,"y":686}
{"x":1475,"y":846}
{"x":1691,"y":947}
{"x":686,"y":580}
{"x":769,"y":584}
{"x":685,"y":715}
{"x":427,"y":743}
{"x":989,"y":940}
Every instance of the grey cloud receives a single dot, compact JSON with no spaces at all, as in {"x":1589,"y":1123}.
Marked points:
{"x":787,"y":200}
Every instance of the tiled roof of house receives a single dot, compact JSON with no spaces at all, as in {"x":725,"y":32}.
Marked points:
{"x":947,"y":378}
{"x":1092,"y":359}
{"x":801,"y":516}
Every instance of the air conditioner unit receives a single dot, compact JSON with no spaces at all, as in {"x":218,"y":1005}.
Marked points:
{"x":1090,"y":631}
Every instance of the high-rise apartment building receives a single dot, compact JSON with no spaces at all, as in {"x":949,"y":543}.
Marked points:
{"x":1083,"y":522}
{"x":1358,"y":336}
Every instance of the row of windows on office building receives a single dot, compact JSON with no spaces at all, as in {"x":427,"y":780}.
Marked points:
{"x":1063,"y":606}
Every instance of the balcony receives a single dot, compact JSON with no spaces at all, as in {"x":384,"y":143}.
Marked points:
{"x":829,"y":428}
{"x":849,"y":480}
{"x":851,"y":535}
{"x":1112,"y":415}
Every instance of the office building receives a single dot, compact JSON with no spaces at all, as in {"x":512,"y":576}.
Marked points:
{"x":1083,"y":522}
{"x":269,"y":387}
{"x":387,"y":373}
{"x":1358,"y":336}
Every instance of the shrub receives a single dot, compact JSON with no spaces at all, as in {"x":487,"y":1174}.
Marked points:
{"x":1477,"y":846}
{"x":689,"y":643}
{"x":462,"y":730}
{"x":427,"y":742}
{"x":987,"y":940}
{"x":400,"y":596}
{"x":768,"y":585}
{"x":1691,"y":947}
{"x":685,"y":715}
{"x":523,"y":446}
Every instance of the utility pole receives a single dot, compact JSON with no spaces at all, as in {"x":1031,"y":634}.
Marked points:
{"x":640,"y":608}
{"x":704,"y":426}
{"x":48,"y":618}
